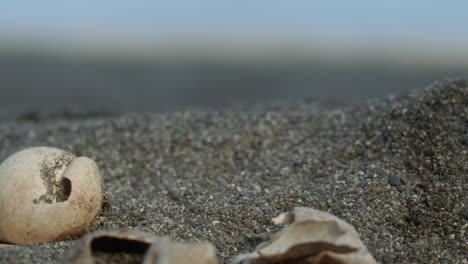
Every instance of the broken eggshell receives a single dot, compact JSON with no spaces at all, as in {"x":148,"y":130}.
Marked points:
{"x":114,"y":241}
{"x":47,"y":194}
{"x":5,"y":245}
{"x":150,"y":249}
{"x":313,"y":237}
{"x":164,"y":251}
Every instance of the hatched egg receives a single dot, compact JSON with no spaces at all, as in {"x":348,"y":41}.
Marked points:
{"x":47,"y":194}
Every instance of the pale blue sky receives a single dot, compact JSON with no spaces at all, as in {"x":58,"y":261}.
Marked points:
{"x":353,"y":19}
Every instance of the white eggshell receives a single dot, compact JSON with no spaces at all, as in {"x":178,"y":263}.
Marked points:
{"x":312,"y":237}
{"x":47,"y":194}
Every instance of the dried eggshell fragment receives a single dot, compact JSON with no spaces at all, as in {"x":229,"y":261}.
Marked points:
{"x":164,"y":251}
{"x":314,"y":237}
{"x":47,"y":194}
{"x":127,"y":241}
{"x":152,"y":249}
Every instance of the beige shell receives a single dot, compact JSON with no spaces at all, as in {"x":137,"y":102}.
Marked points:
{"x":86,"y":250}
{"x":164,"y":251}
{"x":145,"y":248}
{"x":312,"y":237}
{"x":47,"y":194}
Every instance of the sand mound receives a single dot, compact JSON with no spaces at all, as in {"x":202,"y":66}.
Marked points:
{"x":396,"y":169}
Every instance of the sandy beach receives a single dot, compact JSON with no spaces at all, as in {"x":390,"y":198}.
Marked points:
{"x":395,"y":168}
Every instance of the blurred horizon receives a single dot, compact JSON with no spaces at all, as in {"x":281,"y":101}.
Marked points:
{"x":385,"y":28}
{"x":389,"y":20}
{"x":165,"y":55}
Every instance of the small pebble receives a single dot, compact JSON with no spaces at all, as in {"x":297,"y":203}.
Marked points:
{"x":247,"y":222}
{"x":394,"y":180}
{"x":214,"y":212}
{"x":401,"y":188}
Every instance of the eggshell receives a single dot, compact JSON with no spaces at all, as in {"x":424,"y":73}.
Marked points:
{"x":165,"y":251}
{"x":47,"y":194}
{"x":86,"y":249}
{"x":312,"y":237}
{"x":152,"y":249}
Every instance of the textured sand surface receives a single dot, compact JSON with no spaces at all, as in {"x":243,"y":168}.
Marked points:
{"x":220,"y":176}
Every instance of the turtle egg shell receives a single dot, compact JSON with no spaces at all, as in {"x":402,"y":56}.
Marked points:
{"x":47,"y":194}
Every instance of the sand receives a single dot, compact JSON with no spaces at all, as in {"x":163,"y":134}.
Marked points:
{"x":396,"y":169}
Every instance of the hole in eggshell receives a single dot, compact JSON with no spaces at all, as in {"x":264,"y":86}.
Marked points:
{"x":64,"y":190}
{"x":110,"y":250}
{"x":112,"y":244}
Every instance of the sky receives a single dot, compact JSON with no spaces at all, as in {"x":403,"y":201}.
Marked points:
{"x":387,"y":20}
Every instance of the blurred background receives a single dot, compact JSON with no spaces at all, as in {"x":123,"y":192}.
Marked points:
{"x":141,"y":56}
